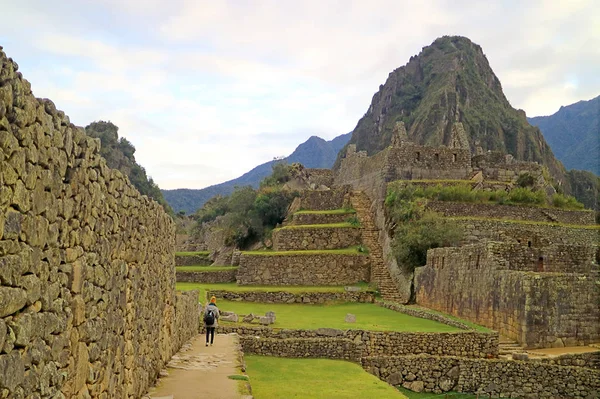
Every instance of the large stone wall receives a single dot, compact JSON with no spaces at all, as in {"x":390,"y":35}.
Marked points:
{"x":306,"y":238}
{"x":323,"y":200}
{"x":538,"y":309}
{"x":300,"y":269}
{"x":320,"y":177}
{"x":492,"y":377}
{"x":320,"y":218}
{"x":219,"y":276}
{"x":293,"y":297}
{"x":384,"y":343}
{"x":412,"y":161}
{"x":539,"y":235}
{"x":192,"y":260}
{"x":87,"y":300}
{"x":529,"y":213}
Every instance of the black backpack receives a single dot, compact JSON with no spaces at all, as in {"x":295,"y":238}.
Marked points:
{"x":209,"y":318}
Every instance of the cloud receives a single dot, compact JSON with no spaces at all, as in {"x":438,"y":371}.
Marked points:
{"x":206,"y":90}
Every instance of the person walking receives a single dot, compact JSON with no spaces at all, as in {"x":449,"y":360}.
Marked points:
{"x":211,"y":315}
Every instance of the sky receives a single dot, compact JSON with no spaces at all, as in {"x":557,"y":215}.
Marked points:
{"x":207,"y":90}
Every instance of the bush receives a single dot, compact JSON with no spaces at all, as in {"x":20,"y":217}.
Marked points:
{"x":522,"y":195}
{"x":566,"y":202}
{"x":525,"y":180}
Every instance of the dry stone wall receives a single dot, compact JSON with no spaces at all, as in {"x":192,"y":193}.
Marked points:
{"x":320,"y":218}
{"x":294,"y":297}
{"x":324,"y":200}
{"x":529,"y":213}
{"x":301,"y":269}
{"x":220,"y":276}
{"x":307,"y":238}
{"x":483,"y":283}
{"x":384,"y":343}
{"x":492,"y":377}
{"x":192,"y":260}
{"x":87,"y":300}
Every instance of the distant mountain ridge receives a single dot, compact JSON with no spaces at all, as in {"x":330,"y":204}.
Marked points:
{"x":313,"y":153}
{"x":573,"y":133}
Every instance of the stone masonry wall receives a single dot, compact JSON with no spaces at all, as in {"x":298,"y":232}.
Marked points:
{"x":540,"y":235}
{"x":537,"y":309}
{"x":320,"y":177}
{"x":192,"y":260}
{"x":293,"y":238}
{"x":220,"y":276}
{"x":87,"y":277}
{"x":323,"y":200}
{"x":294,"y":297}
{"x":387,"y":343}
{"x":319,"y":269}
{"x":529,"y":213}
{"x":320,"y":218}
{"x":492,"y":377}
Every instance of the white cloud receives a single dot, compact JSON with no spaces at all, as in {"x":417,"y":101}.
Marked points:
{"x":206,"y":90}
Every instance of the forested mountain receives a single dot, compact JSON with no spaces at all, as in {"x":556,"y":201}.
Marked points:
{"x":313,"y":153}
{"x":119,"y":154}
{"x":573,"y":133}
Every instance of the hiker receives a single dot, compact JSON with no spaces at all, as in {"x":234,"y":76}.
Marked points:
{"x":211,"y":315}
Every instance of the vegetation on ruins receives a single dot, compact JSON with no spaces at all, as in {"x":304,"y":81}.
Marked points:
{"x":248,"y":215}
{"x":463,"y":192}
{"x":119,"y":154}
{"x":314,"y":378}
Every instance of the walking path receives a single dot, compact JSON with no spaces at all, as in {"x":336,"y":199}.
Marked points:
{"x":197,"y":371}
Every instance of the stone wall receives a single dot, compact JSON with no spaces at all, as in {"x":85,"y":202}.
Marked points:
{"x":192,"y":260}
{"x":412,"y":161}
{"x":424,"y":314}
{"x":87,"y":277}
{"x":323,"y":200}
{"x":529,"y":213}
{"x":329,"y":348}
{"x":386,"y":343}
{"x":493,"y":377}
{"x":587,"y":359}
{"x":187,"y":317}
{"x":320,"y":218}
{"x":540,"y":235}
{"x":294,"y":297}
{"x":306,"y":238}
{"x":300,"y":269}
{"x":538,"y":309}
{"x":219,"y":276}
{"x":320,"y":177}
{"x":497,"y":166}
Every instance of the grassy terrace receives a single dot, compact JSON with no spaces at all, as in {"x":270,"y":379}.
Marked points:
{"x":200,"y":253}
{"x":428,"y":395}
{"x":344,"y":251}
{"x":314,"y":378}
{"x":327,"y":212}
{"x":319,"y":226}
{"x":526,"y":222}
{"x":204,"y":269}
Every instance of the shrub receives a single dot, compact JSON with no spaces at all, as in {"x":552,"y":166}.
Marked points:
{"x":353,"y":221}
{"x":566,"y":202}
{"x":525,"y":180}
{"x":522,"y":195}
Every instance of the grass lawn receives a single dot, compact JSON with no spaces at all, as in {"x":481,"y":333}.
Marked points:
{"x":327,"y":212}
{"x":276,"y":378}
{"x":192,"y":253}
{"x":309,"y":317}
{"x":344,"y":251}
{"x":204,"y":268}
{"x":470,"y":324}
{"x":429,"y":395}
{"x":319,"y":226}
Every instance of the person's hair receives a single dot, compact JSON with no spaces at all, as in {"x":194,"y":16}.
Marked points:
{"x":213,"y":299}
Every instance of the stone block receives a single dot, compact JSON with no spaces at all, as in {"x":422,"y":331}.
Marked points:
{"x":350,"y":318}
{"x":230,"y":317}
{"x":11,"y":300}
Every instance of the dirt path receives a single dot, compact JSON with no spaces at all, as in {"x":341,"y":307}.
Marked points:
{"x":197,"y":371}
{"x":562,"y":351}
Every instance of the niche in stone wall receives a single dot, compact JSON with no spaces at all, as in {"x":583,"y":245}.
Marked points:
{"x":540,"y":264}
{"x":453,"y":157}
{"x":436,"y":157}
{"x":418,"y":156}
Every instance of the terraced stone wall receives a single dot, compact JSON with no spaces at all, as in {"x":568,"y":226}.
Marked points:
{"x":320,"y":218}
{"x":291,"y":297}
{"x":298,"y":269}
{"x":310,"y":238}
{"x":494,"y":377}
{"x":529,"y":213}
{"x":389,"y":343}
{"x":539,"y":309}
{"x":220,"y":276}
{"x":192,"y":260}
{"x":324,"y":200}
{"x":87,"y":276}
{"x":320,"y":177}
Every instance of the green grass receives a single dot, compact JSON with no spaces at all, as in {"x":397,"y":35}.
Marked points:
{"x":428,"y":395}
{"x":204,"y":268}
{"x":201,"y":253}
{"x":310,"y":317}
{"x":344,"y":251}
{"x":314,"y":379}
{"x":529,"y":222}
{"x":327,"y":212}
{"x":319,"y":226}
{"x":472,"y":325}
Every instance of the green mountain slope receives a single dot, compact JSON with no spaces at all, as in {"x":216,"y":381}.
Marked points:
{"x":118,"y":153}
{"x":451,"y":81}
{"x":573,"y":133}
{"x":313,"y":153}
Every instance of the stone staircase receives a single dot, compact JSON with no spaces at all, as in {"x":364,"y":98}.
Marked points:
{"x":380,"y":274}
{"x":507,"y":347}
